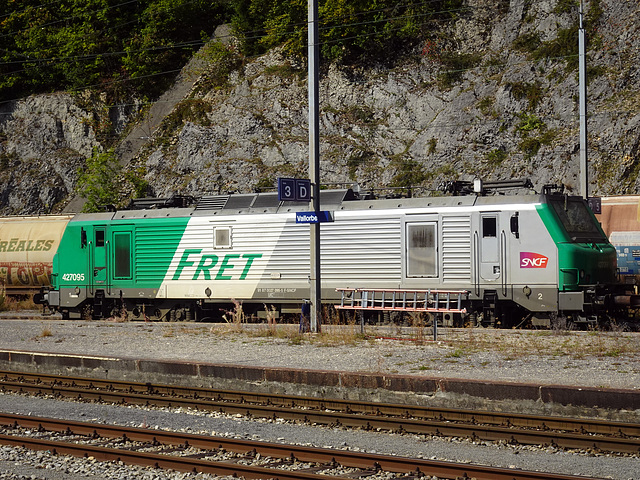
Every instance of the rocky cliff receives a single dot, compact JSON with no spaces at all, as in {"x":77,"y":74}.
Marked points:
{"x":493,"y":94}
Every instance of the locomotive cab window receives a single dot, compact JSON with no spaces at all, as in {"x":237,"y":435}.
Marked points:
{"x":421,"y":250}
{"x":577,"y":220}
{"x":221,"y":237}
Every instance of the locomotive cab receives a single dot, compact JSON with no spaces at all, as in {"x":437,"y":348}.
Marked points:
{"x":586,"y":260}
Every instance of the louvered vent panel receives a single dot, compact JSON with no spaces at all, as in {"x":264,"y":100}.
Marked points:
{"x":215,"y":202}
{"x":456,"y":248}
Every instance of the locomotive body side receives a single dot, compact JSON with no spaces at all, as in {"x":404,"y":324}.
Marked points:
{"x":517,"y":256}
{"x":471,"y":245}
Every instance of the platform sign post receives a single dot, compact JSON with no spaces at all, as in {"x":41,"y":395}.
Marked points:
{"x":313,"y":61}
{"x":306,"y":190}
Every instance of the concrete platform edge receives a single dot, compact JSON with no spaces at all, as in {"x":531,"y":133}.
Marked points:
{"x":412,"y":389}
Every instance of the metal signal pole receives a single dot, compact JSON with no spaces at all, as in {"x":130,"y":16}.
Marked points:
{"x":314,"y":167}
{"x":582,"y":55}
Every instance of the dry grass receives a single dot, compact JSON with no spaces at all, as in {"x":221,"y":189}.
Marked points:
{"x":330,"y":335}
{"x":456,"y":343}
{"x":272,"y":316}
{"x":15,"y":303}
{"x":176,"y":330}
{"x":523,"y":343}
{"x":235,"y":317}
{"x":46,"y":332}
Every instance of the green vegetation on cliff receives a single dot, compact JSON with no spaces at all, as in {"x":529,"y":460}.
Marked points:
{"x":106,"y":44}
{"x":126,"y":47}
{"x":349,"y":30}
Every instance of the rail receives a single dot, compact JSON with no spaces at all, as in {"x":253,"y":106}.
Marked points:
{"x":248,"y":459}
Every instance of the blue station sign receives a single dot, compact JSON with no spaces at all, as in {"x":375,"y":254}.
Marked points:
{"x":322,"y":216}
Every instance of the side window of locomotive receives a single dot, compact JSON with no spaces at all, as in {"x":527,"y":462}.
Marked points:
{"x":99,"y":238}
{"x":122,"y":255}
{"x":421,"y":250}
{"x":221,"y":237}
{"x":489,"y":227}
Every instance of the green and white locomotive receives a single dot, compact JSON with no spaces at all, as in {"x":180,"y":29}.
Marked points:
{"x":530,"y":257}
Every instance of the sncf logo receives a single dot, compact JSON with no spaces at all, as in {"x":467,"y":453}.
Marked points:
{"x":532,"y":260}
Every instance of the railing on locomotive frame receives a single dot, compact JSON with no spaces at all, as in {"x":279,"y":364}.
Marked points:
{"x":401,"y":300}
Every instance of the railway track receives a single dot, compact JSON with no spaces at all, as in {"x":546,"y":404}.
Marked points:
{"x":561,"y":432}
{"x":223,"y":456}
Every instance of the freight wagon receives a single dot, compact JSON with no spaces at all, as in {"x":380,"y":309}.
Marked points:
{"x":620,"y":219}
{"x":27,"y":247}
{"x":525,"y":258}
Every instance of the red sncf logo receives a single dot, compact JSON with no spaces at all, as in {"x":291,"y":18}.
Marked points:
{"x":532,"y":260}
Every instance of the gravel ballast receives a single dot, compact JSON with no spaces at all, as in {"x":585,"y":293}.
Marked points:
{"x":588,"y":359}
{"x":485,"y":453}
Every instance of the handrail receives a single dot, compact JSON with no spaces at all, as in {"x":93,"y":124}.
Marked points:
{"x":90,"y":280}
{"x":503,"y":262}
{"x":107,"y":245}
{"x":476,"y":264}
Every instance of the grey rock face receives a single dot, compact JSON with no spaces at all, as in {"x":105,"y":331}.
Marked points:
{"x":44,"y":140}
{"x":499,"y":113}
{"x":508,"y":116}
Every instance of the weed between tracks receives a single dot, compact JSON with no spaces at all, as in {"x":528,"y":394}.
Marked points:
{"x":453,"y":345}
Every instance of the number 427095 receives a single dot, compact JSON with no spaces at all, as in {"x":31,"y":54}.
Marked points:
{"x":73,"y":277}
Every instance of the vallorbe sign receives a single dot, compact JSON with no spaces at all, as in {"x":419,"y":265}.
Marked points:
{"x":312,"y":217}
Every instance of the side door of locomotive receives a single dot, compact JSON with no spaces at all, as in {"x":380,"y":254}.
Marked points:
{"x":110,"y":258}
{"x":490,"y":246}
{"x":121,"y":257}
{"x":98,"y":270}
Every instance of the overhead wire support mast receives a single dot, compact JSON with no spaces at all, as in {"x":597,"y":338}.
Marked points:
{"x":582,"y":56}
{"x":315,"y":294}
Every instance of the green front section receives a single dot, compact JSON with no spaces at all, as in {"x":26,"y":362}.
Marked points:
{"x":112,"y":255}
{"x":580,"y":263}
